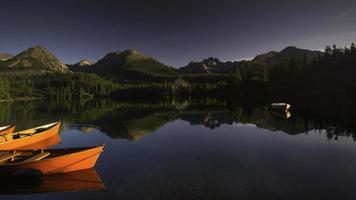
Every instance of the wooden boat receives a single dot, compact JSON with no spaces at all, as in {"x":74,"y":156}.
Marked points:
{"x":46,"y":143}
{"x":7,"y":129}
{"x":82,"y":180}
{"x":27,"y":138}
{"x":280,"y":106}
{"x":50,"y":161}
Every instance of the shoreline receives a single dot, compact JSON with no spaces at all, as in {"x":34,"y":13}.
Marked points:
{"x":22,"y":99}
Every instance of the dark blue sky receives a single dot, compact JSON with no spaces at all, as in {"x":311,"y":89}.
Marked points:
{"x":175,"y":32}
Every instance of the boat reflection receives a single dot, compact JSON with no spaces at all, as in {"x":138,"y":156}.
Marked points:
{"x":281,"y":114}
{"x":83,"y":180}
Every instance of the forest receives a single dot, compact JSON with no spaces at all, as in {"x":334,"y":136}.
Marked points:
{"x":54,"y":86}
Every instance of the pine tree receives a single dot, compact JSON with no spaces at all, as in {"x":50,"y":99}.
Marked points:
{"x":334,"y":53}
{"x":328,"y":50}
{"x":353,"y":47}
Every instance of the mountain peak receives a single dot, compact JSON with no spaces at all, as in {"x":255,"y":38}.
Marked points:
{"x":35,"y":58}
{"x":83,"y":63}
{"x":82,"y":66}
{"x":128,"y":62}
{"x":130,"y":51}
{"x":211,"y":61}
{"x":208,"y":65}
{"x":37,"y":49}
{"x":291,"y":52}
{"x":5,"y":56}
{"x":291,"y":49}
{"x":123,"y":53}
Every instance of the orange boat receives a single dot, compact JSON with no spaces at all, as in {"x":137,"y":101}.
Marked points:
{"x":45,"y":144}
{"x":50,"y":161}
{"x":27,"y":138}
{"x":83,"y":180}
{"x":7,"y":129}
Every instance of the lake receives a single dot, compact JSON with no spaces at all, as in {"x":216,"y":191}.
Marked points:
{"x":201,"y":150}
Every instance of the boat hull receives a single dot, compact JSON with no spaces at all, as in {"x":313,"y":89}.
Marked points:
{"x":75,"y":161}
{"x":8,"y":130}
{"x":45,"y":143}
{"x":30,"y":142}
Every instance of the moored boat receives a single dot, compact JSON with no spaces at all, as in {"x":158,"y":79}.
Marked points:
{"x":280,"y":106}
{"x":7,"y":129}
{"x":25,"y":139}
{"x":50,"y":161}
{"x":45,"y":144}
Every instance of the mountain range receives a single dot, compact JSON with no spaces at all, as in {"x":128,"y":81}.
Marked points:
{"x":270,"y":59}
{"x":133,"y":65}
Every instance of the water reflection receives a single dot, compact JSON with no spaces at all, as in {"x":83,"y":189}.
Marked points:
{"x":132,"y":121}
{"x":204,"y":149}
{"x":74,"y":181}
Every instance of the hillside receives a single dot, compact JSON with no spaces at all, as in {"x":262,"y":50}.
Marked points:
{"x":34,"y":59}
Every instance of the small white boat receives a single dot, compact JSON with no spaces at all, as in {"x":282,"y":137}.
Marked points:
{"x":280,"y":106}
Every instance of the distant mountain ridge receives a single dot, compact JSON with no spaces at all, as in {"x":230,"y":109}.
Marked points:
{"x":131,"y":65}
{"x":274,"y":58}
{"x":209,"y":65}
{"x":34,"y":59}
{"x":270,"y":59}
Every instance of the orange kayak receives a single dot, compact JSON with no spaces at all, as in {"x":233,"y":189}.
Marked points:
{"x":27,"y":138}
{"x":83,"y":180}
{"x":7,"y":129}
{"x":49,"y":161}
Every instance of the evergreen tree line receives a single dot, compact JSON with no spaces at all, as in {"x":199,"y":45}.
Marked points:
{"x":331,"y":76}
{"x":54,"y":86}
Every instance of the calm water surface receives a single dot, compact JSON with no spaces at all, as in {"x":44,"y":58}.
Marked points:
{"x":165,"y":152}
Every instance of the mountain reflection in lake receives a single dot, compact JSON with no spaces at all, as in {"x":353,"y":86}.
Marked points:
{"x":201,"y":150}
